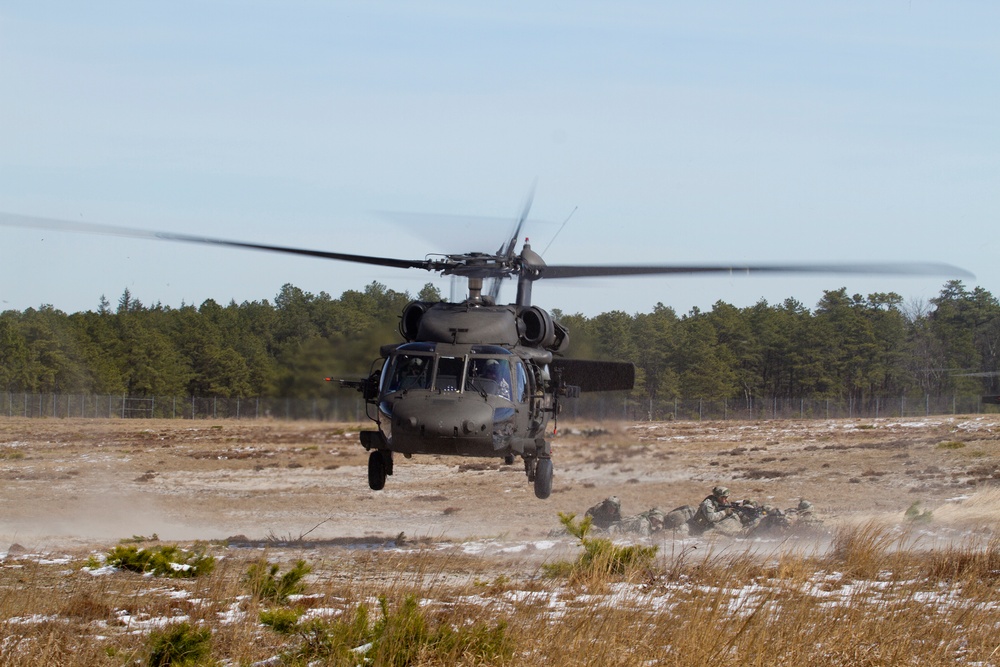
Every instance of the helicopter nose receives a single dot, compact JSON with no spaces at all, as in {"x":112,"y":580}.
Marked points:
{"x":444,"y":417}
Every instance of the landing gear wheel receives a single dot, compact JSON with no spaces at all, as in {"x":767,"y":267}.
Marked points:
{"x":509,"y":459}
{"x":376,"y":470}
{"x":543,"y":479}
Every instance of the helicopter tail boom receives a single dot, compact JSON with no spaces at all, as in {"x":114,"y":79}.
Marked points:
{"x":596,"y":375}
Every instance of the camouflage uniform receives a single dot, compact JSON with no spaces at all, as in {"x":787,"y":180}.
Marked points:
{"x":638,"y":524}
{"x":712,"y":514}
{"x":804,"y":517}
{"x":677,"y":518}
{"x":772,"y":521}
{"x":606,"y":513}
{"x":644,"y":524}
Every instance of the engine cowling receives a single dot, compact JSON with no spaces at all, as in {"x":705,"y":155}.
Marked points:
{"x":409,"y":322}
{"x":536,"y":328}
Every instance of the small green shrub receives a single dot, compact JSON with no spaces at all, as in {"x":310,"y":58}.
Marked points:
{"x":281,"y":620}
{"x":914,"y":513}
{"x":951,"y":444}
{"x":402,"y":636}
{"x":600,"y":556}
{"x":179,"y":644}
{"x":265,"y":584}
{"x":167,"y":560}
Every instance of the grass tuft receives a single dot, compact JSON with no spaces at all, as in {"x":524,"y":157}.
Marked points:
{"x":179,"y":644}
{"x":264,"y":583}
{"x":863,"y":551}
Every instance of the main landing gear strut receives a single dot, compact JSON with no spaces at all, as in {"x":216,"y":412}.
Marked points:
{"x":539,"y":471}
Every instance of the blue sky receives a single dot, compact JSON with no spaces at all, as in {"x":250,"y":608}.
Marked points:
{"x":680,"y":132}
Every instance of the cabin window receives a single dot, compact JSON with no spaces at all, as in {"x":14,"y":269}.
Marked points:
{"x":521,"y":382}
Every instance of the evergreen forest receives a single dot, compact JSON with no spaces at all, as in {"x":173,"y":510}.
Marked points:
{"x":847,"y":346}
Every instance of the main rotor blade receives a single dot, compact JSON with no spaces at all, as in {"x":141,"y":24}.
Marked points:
{"x":508,"y":252}
{"x":525,"y":210}
{"x":873,"y":268}
{"x":31,"y":222}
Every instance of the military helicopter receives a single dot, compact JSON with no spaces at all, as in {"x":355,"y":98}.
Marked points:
{"x":477,"y":378}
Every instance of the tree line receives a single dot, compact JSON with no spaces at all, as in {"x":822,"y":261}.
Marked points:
{"x":846,"y":347}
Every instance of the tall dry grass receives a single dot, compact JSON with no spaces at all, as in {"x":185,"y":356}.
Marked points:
{"x":872,"y":599}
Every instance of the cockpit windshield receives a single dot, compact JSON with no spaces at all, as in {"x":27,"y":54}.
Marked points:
{"x":490,"y":376}
{"x":486,"y":372}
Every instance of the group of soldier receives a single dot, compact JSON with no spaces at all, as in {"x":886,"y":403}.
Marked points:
{"x":716,"y":513}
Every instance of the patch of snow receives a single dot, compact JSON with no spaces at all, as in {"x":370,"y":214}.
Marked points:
{"x":55,"y":561}
{"x":517,"y":548}
{"x":141,"y":622}
{"x":232,"y":615}
{"x":34,"y":618}
{"x":321,"y":612}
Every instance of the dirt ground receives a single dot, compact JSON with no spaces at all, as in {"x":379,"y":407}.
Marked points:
{"x":66,"y":482}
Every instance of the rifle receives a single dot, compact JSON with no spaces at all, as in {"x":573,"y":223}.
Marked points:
{"x":746,"y":513}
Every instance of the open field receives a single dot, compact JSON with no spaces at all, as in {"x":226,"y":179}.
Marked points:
{"x":467,"y":540}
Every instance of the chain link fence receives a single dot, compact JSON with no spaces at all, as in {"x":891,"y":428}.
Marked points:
{"x":758,"y":408}
{"x":349,"y":407}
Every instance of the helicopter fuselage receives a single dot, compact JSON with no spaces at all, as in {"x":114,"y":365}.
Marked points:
{"x":463,"y":400}
{"x":473,"y":379}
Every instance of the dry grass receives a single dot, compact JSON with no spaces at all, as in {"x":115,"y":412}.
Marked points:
{"x":871,"y":600}
{"x":883,"y":588}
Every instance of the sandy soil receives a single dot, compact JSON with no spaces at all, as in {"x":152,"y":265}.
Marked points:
{"x":66,"y":481}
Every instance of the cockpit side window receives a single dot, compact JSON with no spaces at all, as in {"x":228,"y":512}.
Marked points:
{"x":410,"y":372}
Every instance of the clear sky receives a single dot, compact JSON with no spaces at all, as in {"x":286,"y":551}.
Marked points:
{"x":681,"y":132}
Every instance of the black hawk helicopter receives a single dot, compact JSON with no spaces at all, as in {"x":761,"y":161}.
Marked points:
{"x":478,"y":378}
